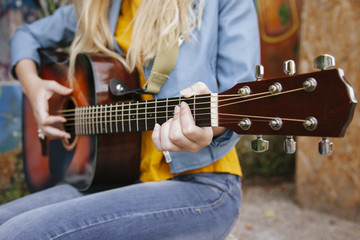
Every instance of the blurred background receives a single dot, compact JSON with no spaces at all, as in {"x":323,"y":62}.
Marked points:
{"x":290,"y":29}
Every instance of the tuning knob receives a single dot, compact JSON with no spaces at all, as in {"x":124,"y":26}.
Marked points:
{"x":259,"y":72}
{"x":324,"y":61}
{"x":325,"y":146}
{"x":289,"y":145}
{"x":289,"y":67}
{"x":259,"y":144}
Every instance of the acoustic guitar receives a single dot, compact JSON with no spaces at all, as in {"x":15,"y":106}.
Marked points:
{"x":105,"y":116}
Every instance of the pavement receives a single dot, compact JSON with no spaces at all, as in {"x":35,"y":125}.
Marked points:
{"x":269,"y":212}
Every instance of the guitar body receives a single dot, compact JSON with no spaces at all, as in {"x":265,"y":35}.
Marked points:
{"x":88,"y":162}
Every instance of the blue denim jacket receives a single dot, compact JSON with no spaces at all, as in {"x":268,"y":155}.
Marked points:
{"x":223,"y":52}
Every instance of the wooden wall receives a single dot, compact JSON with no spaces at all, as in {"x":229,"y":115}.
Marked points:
{"x":331,"y":183}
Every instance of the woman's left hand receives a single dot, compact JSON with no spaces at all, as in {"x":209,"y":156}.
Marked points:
{"x":180,"y":133}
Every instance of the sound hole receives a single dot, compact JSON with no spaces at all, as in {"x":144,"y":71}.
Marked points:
{"x":69,"y":126}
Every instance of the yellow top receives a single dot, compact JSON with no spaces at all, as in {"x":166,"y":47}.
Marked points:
{"x":153,"y":166}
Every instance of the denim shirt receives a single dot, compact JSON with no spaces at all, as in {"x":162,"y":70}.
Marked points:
{"x":223,"y":52}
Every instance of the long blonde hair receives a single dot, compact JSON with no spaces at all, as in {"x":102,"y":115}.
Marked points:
{"x":154,"y":18}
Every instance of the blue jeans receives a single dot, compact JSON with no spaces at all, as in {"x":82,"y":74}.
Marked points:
{"x":194,"y":206}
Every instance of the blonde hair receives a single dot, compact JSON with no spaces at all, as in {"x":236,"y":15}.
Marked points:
{"x":154,"y":18}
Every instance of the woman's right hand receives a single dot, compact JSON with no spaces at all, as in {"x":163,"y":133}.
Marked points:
{"x":39,"y":91}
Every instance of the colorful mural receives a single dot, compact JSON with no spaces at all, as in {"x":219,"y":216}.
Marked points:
{"x":279,"y":25}
{"x":14,"y":13}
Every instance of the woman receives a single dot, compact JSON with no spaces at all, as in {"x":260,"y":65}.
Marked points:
{"x":193,"y":194}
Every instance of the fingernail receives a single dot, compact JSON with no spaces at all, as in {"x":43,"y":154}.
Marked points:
{"x":176,"y":109}
{"x":183,"y":104}
{"x":187,"y":92}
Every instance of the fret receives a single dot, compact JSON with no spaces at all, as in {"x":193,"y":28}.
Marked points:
{"x":81,"y":121}
{"x":110,"y":118}
{"x":106,"y":125}
{"x":137,"y":116}
{"x":161,"y":110}
{"x":134,"y":117}
{"x":100,"y":120}
{"x":146,"y":125}
{"x":122,"y":116}
{"x":150,"y":114}
{"x":85,"y":120}
{"x":194,"y":111}
{"x":76,"y":121}
{"x":129,"y":116}
{"x":126,"y":117}
{"x":155,"y":110}
{"x":103,"y":116}
{"x":97,"y":119}
{"x":88,"y":119}
{"x":116,"y":118}
{"x":166,"y":109}
{"x":141,"y":115}
{"x":92,"y":131}
{"x":94,"y":120}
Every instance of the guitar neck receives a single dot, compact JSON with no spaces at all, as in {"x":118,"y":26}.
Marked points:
{"x":302,"y":106}
{"x":140,"y":115}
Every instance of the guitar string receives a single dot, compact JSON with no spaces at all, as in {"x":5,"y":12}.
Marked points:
{"x":71,"y":112}
{"x":177,"y":100}
{"x":229,"y":120}
{"x":84,"y":119}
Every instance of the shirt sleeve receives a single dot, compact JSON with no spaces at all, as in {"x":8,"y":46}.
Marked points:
{"x":238,"y":54}
{"x":238,"y":49}
{"x":56,"y":30}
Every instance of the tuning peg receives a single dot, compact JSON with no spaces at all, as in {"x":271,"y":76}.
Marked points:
{"x":289,"y":67}
{"x":325,"y":146}
{"x":324,"y":61}
{"x":259,"y":72}
{"x":259,"y":144}
{"x":289,"y":145}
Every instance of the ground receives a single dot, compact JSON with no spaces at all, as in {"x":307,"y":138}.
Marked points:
{"x":269,"y":212}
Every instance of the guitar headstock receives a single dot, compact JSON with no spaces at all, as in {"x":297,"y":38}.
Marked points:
{"x":319,"y":103}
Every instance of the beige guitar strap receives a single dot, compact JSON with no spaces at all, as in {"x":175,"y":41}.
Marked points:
{"x":164,"y":63}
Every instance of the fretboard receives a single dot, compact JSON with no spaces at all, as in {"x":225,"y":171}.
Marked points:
{"x":141,"y":115}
